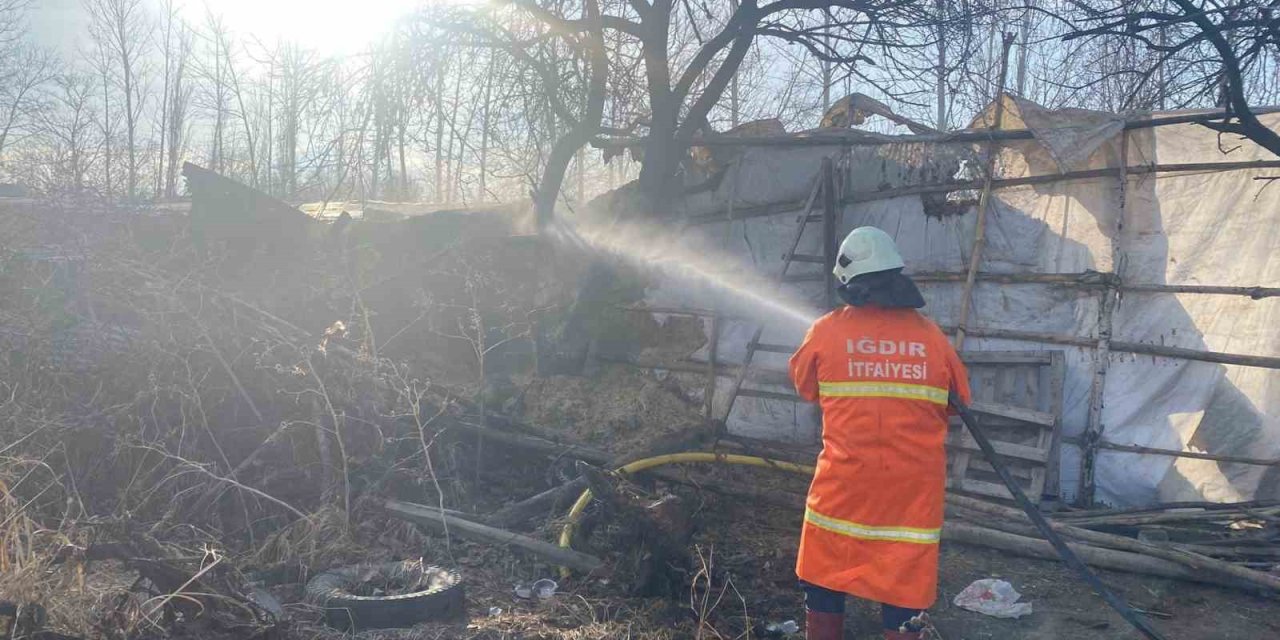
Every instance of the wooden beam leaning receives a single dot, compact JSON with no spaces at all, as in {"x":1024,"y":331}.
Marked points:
{"x":1083,"y":280}
{"x":1156,"y":451}
{"x":966,"y":533}
{"x":995,"y":515}
{"x":1142,"y":348}
{"x":857,"y":138}
{"x":434,"y":518}
{"x":830,"y":226}
{"x":784,"y":206}
{"x":984,"y":202}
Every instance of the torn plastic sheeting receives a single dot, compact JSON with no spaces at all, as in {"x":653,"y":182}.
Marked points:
{"x":1179,"y":228}
{"x":995,"y":598}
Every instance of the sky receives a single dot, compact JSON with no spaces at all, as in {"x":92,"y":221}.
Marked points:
{"x":329,"y":26}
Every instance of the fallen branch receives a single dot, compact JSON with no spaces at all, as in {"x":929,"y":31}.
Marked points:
{"x":997,"y":516}
{"x":966,"y":533}
{"x":430,"y":517}
{"x":244,"y":487}
{"x":551,"y":501}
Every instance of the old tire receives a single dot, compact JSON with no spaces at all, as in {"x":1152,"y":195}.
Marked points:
{"x":334,"y":591}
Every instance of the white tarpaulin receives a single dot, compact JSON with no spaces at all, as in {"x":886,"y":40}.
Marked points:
{"x":1192,"y":227}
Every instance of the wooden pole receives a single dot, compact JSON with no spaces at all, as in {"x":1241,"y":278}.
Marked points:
{"x":434,"y":518}
{"x":713,"y":349}
{"x":856,"y":138}
{"x":784,"y":206}
{"x":966,"y":533}
{"x":1102,"y":355}
{"x":1084,"y":280}
{"x":712,"y":370}
{"x":1133,"y":448}
{"x":984,"y":201}
{"x":1142,"y":348}
{"x":830,"y":243}
{"x":533,"y":443}
{"x":996,"y":513}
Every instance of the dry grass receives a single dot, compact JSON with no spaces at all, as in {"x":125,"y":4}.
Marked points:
{"x":155,"y":393}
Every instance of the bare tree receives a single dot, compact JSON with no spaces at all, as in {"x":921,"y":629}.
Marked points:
{"x":68,"y":125}
{"x":23,"y":70}
{"x":178,"y":105}
{"x":1222,"y":50}
{"x":121,"y":29}
{"x":215,"y":80}
{"x":691,"y":52}
{"x":13,"y":25}
{"x":295,"y":77}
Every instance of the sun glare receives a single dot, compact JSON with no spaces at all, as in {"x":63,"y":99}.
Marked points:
{"x":328,"y":26}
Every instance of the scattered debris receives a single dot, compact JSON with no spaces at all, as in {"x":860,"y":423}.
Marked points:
{"x":394,"y":594}
{"x":780,"y":629}
{"x":992,"y":597}
{"x":545,"y":589}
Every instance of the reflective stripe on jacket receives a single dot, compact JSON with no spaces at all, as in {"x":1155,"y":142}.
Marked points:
{"x":874,"y":513}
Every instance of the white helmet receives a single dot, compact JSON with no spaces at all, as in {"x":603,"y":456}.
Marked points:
{"x":866,"y":250}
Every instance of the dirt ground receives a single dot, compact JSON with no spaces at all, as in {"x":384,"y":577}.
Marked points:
{"x":748,"y":553}
{"x":740,"y":575}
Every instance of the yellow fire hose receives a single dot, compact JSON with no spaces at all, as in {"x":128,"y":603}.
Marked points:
{"x":566,"y":534}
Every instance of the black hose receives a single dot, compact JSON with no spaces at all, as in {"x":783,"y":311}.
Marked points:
{"x":1037,"y":518}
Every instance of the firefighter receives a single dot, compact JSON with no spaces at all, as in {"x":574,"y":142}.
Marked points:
{"x":881,"y":373}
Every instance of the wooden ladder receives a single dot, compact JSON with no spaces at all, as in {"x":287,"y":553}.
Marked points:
{"x":824,"y":184}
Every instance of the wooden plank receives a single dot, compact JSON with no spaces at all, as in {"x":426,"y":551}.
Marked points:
{"x":1005,"y":357}
{"x":427,"y":516}
{"x":775,"y":348}
{"x":713,"y":349}
{"x":1028,"y":381}
{"x":982,"y":487}
{"x":1056,"y":376}
{"x":963,"y":440}
{"x":1020,"y":472}
{"x":856,"y":137}
{"x":806,"y":258}
{"x":830,"y":244}
{"x":769,"y":395}
{"x":679,"y":311}
{"x":1030,"y":416}
{"x":1246,"y":360}
{"x":774,"y":208}
{"x":982,"y":385}
{"x":1132,"y":448}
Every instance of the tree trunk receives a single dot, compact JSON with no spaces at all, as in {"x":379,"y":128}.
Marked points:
{"x":941,"y":87}
{"x":485,"y":123}
{"x":438,"y":95}
{"x":565,"y":148}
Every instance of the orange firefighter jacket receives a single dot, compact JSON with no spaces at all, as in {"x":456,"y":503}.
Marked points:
{"x":873,"y":517}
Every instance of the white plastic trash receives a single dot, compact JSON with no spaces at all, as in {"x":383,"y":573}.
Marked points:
{"x":992,"y":597}
{"x":776,"y":629}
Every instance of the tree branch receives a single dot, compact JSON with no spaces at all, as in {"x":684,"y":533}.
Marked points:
{"x":1249,"y":125}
